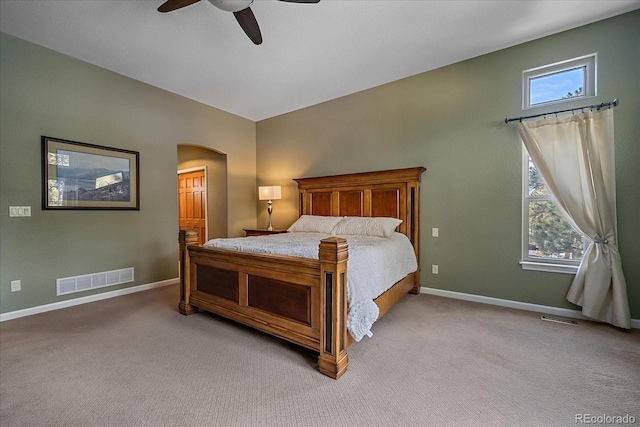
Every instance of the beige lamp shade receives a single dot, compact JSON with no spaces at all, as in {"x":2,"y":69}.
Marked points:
{"x":273,"y":192}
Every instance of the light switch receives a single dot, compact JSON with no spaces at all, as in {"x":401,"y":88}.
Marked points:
{"x":434,"y":232}
{"x":19,"y":211}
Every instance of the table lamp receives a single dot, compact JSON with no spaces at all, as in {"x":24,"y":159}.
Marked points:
{"x":270,"y":193}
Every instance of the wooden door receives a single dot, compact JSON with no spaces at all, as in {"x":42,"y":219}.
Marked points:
{"x":192,"y":202}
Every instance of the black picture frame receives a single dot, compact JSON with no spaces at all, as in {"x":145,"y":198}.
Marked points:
{"x":78,"y":176}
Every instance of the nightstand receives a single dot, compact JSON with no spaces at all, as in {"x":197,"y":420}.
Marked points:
{"x":261,"y":231}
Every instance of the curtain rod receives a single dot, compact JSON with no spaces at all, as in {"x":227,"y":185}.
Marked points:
{"x":613,"y":103}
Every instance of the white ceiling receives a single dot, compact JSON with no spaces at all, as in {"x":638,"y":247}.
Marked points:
{"x":311,"y":52}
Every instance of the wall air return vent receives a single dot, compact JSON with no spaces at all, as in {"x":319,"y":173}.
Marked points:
{"x":69,"y":285}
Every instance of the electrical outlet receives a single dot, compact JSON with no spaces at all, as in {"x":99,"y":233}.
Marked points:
{"x":15,"y":285}
{"x":434,"y":269}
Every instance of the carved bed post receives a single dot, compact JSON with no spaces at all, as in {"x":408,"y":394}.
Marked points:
{"x":414,"y":219}
{"x":333,"y":357}
{"x":186,"y":238}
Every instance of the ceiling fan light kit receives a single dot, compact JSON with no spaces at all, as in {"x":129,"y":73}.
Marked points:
{"x":231,"y":5}
{"x":241,"y":9}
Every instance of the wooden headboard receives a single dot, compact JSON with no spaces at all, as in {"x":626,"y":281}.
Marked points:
{"x":390,"y":193}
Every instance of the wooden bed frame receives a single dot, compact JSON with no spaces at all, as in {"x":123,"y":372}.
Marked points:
{"x":303,"y":300}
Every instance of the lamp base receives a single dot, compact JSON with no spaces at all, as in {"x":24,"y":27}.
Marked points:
{"x":270,"y":209}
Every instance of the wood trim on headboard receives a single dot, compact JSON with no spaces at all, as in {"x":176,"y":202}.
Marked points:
{"x":394,"y":193}
{"x":363,"y":178}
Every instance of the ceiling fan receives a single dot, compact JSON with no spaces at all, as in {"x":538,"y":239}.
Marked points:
{"x":241,"y":10}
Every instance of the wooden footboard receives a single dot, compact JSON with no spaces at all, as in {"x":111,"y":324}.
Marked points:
{"x":298,"y":299}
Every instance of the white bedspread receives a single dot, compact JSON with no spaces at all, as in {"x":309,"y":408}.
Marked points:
{"x":374,"y":265}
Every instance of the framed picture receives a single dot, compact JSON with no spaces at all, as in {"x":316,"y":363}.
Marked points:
{"x":76,"y":175}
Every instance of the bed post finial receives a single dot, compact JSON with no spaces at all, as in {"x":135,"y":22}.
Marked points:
{"x":333,"y":255}
{"x":186,"y":238}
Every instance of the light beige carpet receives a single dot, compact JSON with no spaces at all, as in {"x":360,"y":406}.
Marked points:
{"x":135,"y":361}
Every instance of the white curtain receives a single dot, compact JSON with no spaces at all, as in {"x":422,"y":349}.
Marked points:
{"x":575,"y":157}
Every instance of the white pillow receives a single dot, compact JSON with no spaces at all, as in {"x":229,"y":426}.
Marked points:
{"x":367,"y":226}
{"x":315,"y":224}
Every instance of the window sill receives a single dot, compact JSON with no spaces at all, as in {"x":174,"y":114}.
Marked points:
{"x":550,"y":268}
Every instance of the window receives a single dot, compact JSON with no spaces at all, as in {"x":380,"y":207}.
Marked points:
{"x":549,"y":242}
{"x":560,"y":82}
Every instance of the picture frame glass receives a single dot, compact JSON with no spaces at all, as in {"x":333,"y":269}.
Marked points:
{"x":85,"y":176}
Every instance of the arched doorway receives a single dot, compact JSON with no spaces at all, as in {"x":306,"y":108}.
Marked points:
{"x":213,"y":166}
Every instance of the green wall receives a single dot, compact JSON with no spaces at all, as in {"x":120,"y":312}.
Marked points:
{"x":451,"y":120}
{"x":45,"y":93}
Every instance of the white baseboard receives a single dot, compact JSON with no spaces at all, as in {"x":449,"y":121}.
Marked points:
{"x":565,"y":312}
{"x":84,"y":300}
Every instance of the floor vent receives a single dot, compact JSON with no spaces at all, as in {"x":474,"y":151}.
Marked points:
{"x":69,"y":285}
{"x":556,"y":320}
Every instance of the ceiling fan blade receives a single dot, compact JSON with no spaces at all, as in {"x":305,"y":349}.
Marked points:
{"x":248,"y":22}
{"x":171,"y":5}
{"x":302,"y":1}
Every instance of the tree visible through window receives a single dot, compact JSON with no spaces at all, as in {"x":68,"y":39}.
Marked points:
{"x":550,"y":235}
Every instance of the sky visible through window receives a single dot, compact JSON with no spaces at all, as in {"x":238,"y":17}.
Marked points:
{"x":553,"y":87}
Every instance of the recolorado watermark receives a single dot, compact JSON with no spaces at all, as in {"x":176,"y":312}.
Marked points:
{"x":604,"y":419}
